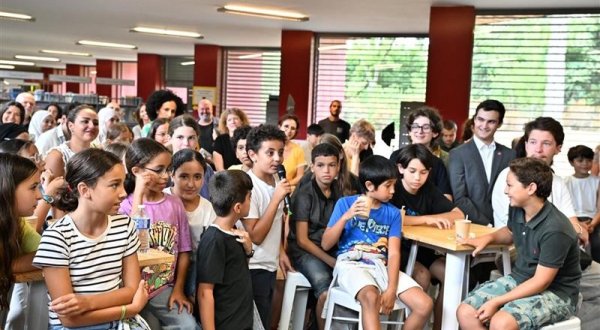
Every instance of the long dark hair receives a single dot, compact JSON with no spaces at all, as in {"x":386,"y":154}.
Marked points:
{"x":13,"y":171}
{"x":86,"y":167}
{"x":140,"y":153}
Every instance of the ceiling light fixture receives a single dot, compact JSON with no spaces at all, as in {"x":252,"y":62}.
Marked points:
{"x":10,"y":62}
{"x":6,"y":82}
{"x":7,"y":67}
{"x":93,"y":72}
{"x":60,"y":52}
{"x":187,"y":63}
{"x":37,"y":58}
{"x":17,"y":17}
{"x":262,"y":12}
{"x":165,"y":32}
{"x":105,"y":44}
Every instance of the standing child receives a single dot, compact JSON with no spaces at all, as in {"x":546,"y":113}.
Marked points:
{"x":147,"y":163}
{"x":585,"y":194}
{"x":89,"y":253}
{"x":187,"y":173}
{"x":265,"y":221}
{"x":378,"y":237}
{"x":239,"y":144}
{"x":224,"y":284}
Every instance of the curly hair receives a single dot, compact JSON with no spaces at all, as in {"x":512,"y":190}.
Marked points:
{"x":262,"y":133}
{"x":434,"y":118}
{"x":222,"y":128}
{"x":158,"y":98}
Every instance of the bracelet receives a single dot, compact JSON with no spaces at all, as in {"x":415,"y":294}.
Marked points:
{"x":580,"y":230}
{"x":251,"y":254}
{"x":123,"y":311}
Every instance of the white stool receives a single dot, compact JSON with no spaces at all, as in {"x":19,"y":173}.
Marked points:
{"x":571,"y":324}
{"x":295,"y":296}
{"x":338,"y":297}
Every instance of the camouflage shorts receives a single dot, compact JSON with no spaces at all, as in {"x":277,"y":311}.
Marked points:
{"x":532,"y":312}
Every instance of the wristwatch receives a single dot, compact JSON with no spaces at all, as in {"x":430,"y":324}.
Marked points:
{"x":48,"y":199}
{"x":251,"y":254}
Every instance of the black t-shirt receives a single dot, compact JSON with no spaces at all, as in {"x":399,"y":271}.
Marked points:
{"x":221,"y":260}
{"x":438,"y":174}
{"x":339,"y":128}
{"x":223,"y":146}
{"x":206,"y":137}
{"x":308,"y":175}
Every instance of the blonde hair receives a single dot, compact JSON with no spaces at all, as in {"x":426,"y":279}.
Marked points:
{"x":364,"y":129}
{"x":222,"y":128}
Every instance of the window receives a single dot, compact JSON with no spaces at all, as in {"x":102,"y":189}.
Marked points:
{"x":251,"y":76}
{"x":371,"y":76}
{"x":541,"y":65}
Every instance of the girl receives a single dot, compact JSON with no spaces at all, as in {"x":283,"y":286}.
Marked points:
{"x":41,"y":121}
{"x":238,"y":141}
{"x":223,"y":154}
{"x":55,"y":110}
{"x":88,"y":253}
{"x":362,"y":136}
{"x":159,"y":131}
{"x":187,"y":173}
{"x":118,"y":132}
{"x":147,"y":162}
{"x":293,"y":155}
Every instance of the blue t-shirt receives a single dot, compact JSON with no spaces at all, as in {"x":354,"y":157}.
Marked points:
{"x":370,"y":235}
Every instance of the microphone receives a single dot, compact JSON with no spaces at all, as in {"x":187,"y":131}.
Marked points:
{"x":286,"y":199}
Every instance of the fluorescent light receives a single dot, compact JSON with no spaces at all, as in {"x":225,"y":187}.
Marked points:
{"x":105,"y":44}
{"x":6,"y":82}
{"x":165,"y":32}
{"x":93,"y":72}
{"x":15,"y":16}
{"x":60,"y":52}
{"x":262,"y":12}
{"x":187,"y":63}
{"x":37,"y":58}
{"x":245,"y":57}
{"x":7,"y":67}
{"x":9,"y":62}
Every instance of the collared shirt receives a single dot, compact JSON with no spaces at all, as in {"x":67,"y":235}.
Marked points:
{"x":50,"y":139}
{"x":487,"y":155}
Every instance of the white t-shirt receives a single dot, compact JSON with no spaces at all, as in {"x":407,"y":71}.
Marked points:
{"x":266,"y":255}
{"x":584,"y":192}
{"x":560,"y":197}
{"x":50,"y":139}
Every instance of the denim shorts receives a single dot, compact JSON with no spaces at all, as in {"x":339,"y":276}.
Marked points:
{"x":317,"y":272}
{"x":532,"y":312}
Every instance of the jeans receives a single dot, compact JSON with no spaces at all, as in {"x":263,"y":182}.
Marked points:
{"x":263,"y":289}
{"x":317,"y":272}
{"x":169,"y":319}
{"x":28,"y":306}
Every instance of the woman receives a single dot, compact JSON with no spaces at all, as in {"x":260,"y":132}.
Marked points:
{"x":362,"y":136}
{"x":224,"y":154}
{"x":106,"y":118}
{"x":162,"y":104}
{"x":293,"y":155}
{"x":40,"y":122}
{"x":55,"y":110}
{"x":12,"y":112}
{"x":141,"y":117}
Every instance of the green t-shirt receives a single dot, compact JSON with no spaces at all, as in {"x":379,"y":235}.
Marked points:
{"x":30,"y":239}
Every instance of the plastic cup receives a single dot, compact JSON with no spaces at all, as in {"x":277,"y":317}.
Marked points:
{"x":368,"y":202}
{"x":462,"y":228}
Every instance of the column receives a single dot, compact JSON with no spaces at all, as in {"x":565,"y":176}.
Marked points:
{"x":74,"y":70}
{"x":106,"y":69}
{"x":207,"y":70}
{"x":150,"y":74}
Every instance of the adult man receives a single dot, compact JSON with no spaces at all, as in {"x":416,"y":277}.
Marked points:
{"x":53,"y":137}
{"x":474,"y":166}
{"x":208,"y":133}
{"x":334,"y":124}
{"x":28,"y":102}
{"x":449,"y":136}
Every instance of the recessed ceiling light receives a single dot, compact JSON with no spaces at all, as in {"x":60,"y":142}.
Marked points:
{"x":7,"y":67}
{"x":165,"y":32}
{"x":37,"y":58}
{"x":15,"y":16}
{"x":187,"y":63}
{"x":105,"y":44}
{"x":262,"y":12}
{"x":60,"y":52}
{"x":9,"y":62}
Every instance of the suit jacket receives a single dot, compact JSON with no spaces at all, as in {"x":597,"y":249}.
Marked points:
{"x":470,"y":188}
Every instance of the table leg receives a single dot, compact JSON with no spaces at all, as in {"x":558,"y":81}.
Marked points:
{"x":506,"y":260}
{"x":453,"y":287}
{"x":412,"y":258}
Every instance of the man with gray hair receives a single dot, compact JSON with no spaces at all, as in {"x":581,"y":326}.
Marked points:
{"x":208,"y":133}
{"x":28,"y":102}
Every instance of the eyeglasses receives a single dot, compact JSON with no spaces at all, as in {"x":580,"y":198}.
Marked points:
{"x":415,"y":128}
{"x":159,"y":172}
{"x":35,"y":158}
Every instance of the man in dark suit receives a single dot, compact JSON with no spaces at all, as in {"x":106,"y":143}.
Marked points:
{"x":474,"y":166}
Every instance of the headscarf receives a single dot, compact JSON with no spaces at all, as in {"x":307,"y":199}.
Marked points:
{"x":10,"y":131}
{"x":35,"y":125}
{"x":103,"y":116}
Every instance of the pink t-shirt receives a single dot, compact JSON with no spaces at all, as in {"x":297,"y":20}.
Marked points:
{"x":169,"y":232}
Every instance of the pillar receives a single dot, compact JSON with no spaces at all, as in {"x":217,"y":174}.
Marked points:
{"x":150,"y":75}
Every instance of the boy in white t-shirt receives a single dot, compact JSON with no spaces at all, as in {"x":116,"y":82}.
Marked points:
{"x":265,"y":219}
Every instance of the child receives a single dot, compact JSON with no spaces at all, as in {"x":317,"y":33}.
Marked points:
{"x":313,"y":133}
{"x":312,"y":205}
{"x":264,"y":222}
{"x":379,"y":238}
{"x":159,"y":130}
{"x":89,"y":253}
{"x":147,"y":163}
{"x":118,"y":133}
{"x":238,"y":140}
{"x":543,"y":287}
{"x":187,"y":173}
{"x":585,"y":194}
{"x":224,"y":284}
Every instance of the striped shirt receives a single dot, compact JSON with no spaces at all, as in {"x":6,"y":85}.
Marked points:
{"x":95,"y":264}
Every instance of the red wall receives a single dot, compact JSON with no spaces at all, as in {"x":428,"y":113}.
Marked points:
{"x":105,"y":69}
{"x":207,"y":69}
{"x":150,"y":75}
{"x":74,"y":70}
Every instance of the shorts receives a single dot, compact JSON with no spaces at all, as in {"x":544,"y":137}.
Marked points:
{"x":353,"y":276}
{"x":531,"y":312}
{"x":317,"y":272}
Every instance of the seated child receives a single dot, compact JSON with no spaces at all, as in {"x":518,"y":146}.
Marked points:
{"x":224,"y":283}
{"x":543,"y":287}
{"x":238,"y":140}
{"x":378,"y":238}
{"x":585,"y":192}
{"x":312,"y":206}
{"x":313,"y":133}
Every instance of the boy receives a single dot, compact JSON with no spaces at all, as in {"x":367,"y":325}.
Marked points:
{"x":239,"y":145}
{"x":543,"y":287}
{"x":449,"y":141}
{"x":312,"y":206}
{"x":224,"y":285}
{"x":313,"y":133}
{"x":585,"y":193}
{"x":378,"y":237}
{"x":264,"y":222}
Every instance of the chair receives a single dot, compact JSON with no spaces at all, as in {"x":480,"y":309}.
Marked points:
{"x":338,"y":297}
{"x":571,"y":324}
{"x":295,"y":295}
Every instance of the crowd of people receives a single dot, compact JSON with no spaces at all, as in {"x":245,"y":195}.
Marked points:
{"x":234,"y":203}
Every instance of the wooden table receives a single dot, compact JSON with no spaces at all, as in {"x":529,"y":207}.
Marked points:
{"x":457,"y":262}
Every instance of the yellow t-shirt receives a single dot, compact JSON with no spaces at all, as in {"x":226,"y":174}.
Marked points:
{"x":294,"y":160}
{"x":30,"y":239}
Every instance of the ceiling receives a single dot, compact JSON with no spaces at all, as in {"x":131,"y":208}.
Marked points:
{"x":60,"y":23}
